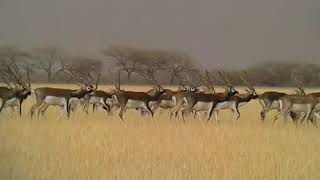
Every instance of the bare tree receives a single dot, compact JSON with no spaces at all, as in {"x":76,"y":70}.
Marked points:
{"x":125,"y":57}
{"x":150,"y":62}
{"x":11,"y":55}
{"x":84,"y":65}
{"x":178,"y":64}
{"x":49,"y":60}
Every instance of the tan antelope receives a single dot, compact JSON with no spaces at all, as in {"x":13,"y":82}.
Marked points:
{"x":270,"y":100}
{"x":207,"y":102}
{"x":297,"y":104}
{"x":63,"y":98}
{"x":136,"y":100}
{"x":237,"y":101}
{"x":315,"y":113}
{"x":18,"y":89}
{"x":98,"y":98}
{"x":166,"y":101}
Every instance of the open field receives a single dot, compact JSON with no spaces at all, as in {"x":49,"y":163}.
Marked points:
{"x":101,"y":147}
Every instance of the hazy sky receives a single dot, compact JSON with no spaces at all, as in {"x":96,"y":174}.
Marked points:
{"x":232,"y":33}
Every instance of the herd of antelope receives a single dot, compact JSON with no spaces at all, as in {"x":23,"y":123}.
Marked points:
{"x":181,"y":103}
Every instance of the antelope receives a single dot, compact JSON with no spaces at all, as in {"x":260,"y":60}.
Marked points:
{"x":102,"y":99}
{"x":97,"y":99}
{"x":46,"y":96}
{"x":270,"y":100}
{"x":296,"y":116}
{"x":237,"y":101}
{"x":178,"y":97}
{"x":136,"y":100}
{"x":207,"y":102}
{"x":297,"y":104}
{"x":16,"y":93}
{"x":166,"y":100}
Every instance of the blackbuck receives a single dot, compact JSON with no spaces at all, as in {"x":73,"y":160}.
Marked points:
{"x":18,"y":89}
{"x":102,"y":99}
{"x":238,"y":100}
{"x":296,"y":116}
{"x":297,"y":104}
{"x":47,"y":96}
{"x":178,"y":99}
{"x":166,"y":101}
{"x":98,"y":98}
{"x":136,"y":100}
{"x":270,"y":100}
{"x":207,"y":102}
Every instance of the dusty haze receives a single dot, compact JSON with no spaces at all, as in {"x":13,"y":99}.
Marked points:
{"x":229,"y":33}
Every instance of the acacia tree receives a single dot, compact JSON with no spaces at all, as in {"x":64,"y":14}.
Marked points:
{"x":150,"y":62}
{"x":49,"y":60}
{"x":12,"y":54}
{"x":126,"y":58}
{"x":178,"y":63}
{"x":84,"y":65}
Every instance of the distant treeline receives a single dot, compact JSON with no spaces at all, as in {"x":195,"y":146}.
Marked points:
{"x":145,"y":66}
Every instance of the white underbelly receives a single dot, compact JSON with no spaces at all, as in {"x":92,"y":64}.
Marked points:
{"x":224,"y":105}
{"x":202,"y":106}
{"x":301,"y":107}
{"x":275,"y":105}
{"x":135,"y":104}
{"x":75,"y":103}
{"x":11,"y":102}
{"x":55,"y":101}
{"x":96,"y":100}
{"x":167,"y":103}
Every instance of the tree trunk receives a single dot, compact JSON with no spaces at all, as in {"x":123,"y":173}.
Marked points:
{"x":49,"y":76}
{"x":172,"y":79}
{"x":129,"y":75}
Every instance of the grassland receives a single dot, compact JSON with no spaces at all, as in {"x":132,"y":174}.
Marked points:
{"x":101,"y":147}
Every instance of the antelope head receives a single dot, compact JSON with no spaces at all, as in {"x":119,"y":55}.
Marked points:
{"x":299,"y":82}
{"x":83,"y":82}
{"x":229,"y":88}
{"x":209,"y":83}
{"x":250,"y":89}
{"x":193,"y":85}
{"x":15,"y":81}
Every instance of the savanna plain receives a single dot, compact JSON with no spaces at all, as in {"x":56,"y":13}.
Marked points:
{"x":98,"y":146}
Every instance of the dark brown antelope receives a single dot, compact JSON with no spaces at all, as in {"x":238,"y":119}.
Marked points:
{"x":47,"y":96}
{"x":14,"y":95}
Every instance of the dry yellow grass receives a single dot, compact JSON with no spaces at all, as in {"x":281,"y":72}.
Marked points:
{"x":101,"y":147}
